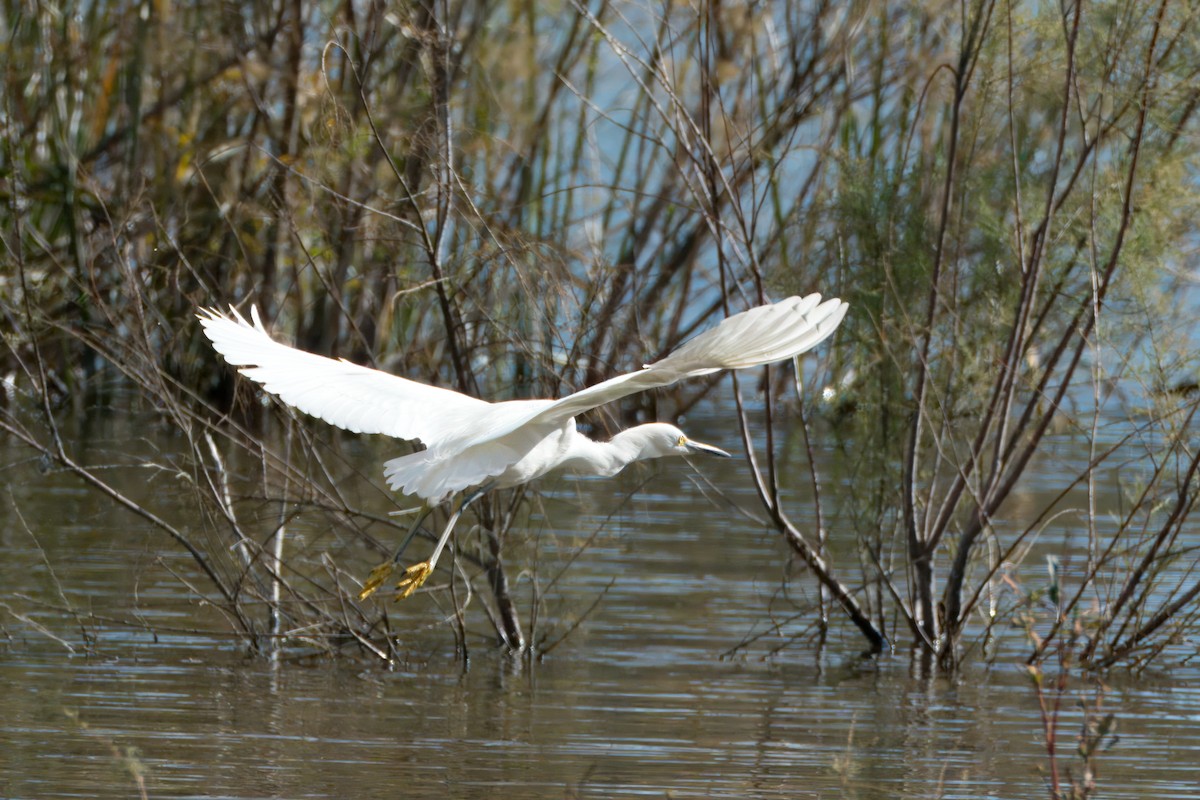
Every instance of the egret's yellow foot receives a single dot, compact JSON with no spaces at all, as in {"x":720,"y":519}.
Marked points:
{"x":376,"y":579}
{"x":414,"y":577}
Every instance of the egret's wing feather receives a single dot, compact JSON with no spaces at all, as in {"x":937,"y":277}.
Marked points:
{"x":357,"y":399}
{"x":762,"y":335}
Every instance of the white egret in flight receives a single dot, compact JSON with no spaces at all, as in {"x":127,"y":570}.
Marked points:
{"x":473,"y":444}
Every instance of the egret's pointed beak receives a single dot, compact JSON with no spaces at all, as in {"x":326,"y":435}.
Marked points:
{"x":700,"y":447}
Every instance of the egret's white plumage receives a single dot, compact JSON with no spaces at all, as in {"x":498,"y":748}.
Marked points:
{"x":469,"y":442}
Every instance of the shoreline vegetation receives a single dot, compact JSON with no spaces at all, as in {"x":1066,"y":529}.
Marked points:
{"x":520,"y":200}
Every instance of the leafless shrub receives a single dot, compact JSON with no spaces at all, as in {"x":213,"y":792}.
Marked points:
{"x":1000,"y":190}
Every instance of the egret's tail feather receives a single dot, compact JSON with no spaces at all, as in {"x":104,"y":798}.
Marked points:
{"x":425,"y":475}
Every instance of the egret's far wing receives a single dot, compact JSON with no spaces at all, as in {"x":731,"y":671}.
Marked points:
{"x":762,"y":335}
{"x":357,"y":399}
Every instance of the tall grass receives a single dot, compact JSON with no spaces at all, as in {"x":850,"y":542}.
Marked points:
{"x":1005,"y":192}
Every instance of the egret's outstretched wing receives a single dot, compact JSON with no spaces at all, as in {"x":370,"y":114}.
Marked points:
{"x":762,"y":335}
{"x":358,"y":399}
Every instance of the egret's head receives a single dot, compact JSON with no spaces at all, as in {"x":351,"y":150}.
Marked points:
{"x":662,"y":439}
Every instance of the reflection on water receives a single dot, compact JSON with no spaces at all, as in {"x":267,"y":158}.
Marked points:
{"x":637,"y":701}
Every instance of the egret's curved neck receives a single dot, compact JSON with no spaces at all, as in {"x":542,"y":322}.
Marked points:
{"x":589,"y":457}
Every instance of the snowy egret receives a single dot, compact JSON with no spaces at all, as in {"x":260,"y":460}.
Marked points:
{"x":471,"y":443}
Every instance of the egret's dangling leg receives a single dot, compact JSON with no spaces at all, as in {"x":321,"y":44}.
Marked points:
{"x":381,"y":573}
{"x":418,"y":573}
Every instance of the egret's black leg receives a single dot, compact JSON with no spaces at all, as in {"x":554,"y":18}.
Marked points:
{"x":412,"y":532}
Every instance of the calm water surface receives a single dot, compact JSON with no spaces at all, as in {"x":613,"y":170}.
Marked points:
{"x":642,"y":699}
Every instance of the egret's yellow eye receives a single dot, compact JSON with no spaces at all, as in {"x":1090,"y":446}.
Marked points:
{"x":682,"y":441}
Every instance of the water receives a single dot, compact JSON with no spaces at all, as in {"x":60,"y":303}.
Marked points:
{"x":115,"y":679}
